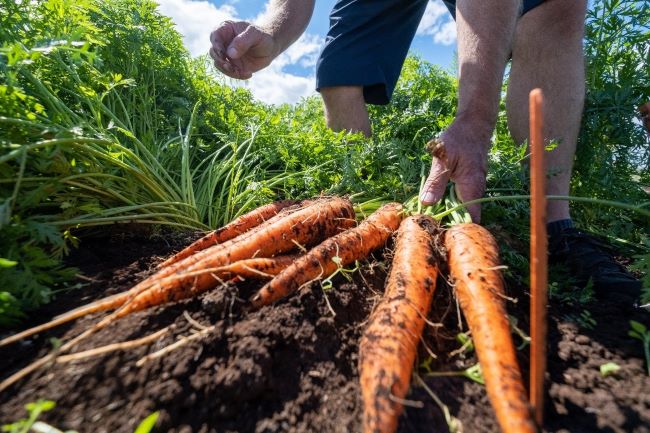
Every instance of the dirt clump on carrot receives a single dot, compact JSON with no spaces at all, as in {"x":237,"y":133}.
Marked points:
{"x":333,"y":253}
{"x":473,"y":260}
{"x":389,"y":344}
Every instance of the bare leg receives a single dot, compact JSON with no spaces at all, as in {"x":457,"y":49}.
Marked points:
{"x":485,"y":33}
{"x":345,"y":109}
{"x":547,"y":53}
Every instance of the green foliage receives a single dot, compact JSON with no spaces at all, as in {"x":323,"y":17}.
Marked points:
{"x":642,"y":264}
{"x":613,"y":158}
{"x":148,"y":423}
{"x":105,"y":119}
{"x":34,"y":410}
{"x":99,"y":125}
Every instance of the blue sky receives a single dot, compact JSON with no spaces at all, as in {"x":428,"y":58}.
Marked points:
{"x":291,"y":76}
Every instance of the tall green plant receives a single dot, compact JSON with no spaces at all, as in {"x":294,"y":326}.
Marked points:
{"x":613,"y":158}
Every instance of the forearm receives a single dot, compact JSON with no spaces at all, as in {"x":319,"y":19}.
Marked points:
{"x":286,"y":20}
{"x":485,"y":33}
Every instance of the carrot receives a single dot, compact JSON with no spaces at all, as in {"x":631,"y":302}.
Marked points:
{"x":238,"y":250}
{"x":307,"y":226}
{"x":234,"y":249}
{"x":473,"y":263}
{"x":258,"y":268}
{"x":231,"y":230}
{"x":389,"y":344}
{"x":353,"y":244}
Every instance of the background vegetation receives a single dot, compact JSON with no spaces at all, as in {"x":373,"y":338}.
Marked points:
{"x":105,"y":119}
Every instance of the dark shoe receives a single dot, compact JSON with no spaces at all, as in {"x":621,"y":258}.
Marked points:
{"x":587,"y":258}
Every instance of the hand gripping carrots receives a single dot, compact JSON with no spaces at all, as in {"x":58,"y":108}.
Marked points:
{"x":353,"y":244}
{"x":473,"y":262}
{"x":389,"y":344}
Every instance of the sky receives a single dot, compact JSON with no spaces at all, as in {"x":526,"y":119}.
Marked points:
{"x":291,"y":76}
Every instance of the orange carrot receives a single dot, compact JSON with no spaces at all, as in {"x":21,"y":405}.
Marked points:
{"x":389,"y":344}
{"x":238,"y":250}
{"x":306,"y":226}
{"x":353,"y":244}
{"x":320,"y":220}
{"x":231,"y":230}
{"x":258,"y":268}
{"x":473,"y":262}
{"x":183,"y":265}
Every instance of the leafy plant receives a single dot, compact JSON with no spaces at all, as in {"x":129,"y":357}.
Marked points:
{"x":642,"y":264}
{"x":34,"y":410}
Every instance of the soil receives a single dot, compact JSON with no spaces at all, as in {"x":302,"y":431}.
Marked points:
{"x":292,"y":367}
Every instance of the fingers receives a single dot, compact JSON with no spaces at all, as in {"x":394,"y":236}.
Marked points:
{"x":243,"y":42}
{"x":470,"y":188}
{"x":221,"y":39}
{"x":467,"y":168}
{"x":436,"y":183}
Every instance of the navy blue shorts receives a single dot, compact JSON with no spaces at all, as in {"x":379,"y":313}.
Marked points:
{"x":368,"y":41}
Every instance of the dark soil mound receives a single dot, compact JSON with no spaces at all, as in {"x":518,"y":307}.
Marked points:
{"x":293,"y":367}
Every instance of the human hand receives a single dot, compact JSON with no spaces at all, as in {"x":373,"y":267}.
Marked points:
{"x":239,"y":49}
{"x":459,"y":154}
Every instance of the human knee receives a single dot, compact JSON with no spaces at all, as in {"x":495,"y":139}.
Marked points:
{"x":342,"y":96}
{"x":345,"y":109}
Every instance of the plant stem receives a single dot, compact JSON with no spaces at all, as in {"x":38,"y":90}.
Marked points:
{"x":611,"y":203}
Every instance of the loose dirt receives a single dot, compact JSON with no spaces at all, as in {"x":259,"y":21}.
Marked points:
{"x":292,"y":367}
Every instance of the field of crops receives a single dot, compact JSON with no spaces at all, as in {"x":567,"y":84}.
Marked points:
{"x":118,"y":149}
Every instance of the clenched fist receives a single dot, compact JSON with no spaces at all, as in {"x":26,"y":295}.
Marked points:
{"x":239,"y":49}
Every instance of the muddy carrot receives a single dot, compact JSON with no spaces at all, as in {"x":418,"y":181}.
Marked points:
{"x":231,"y":230}
{"x":306,"y":227}
{"x":474,"y":267}
{"x":257,"y":268}
{"x":389,"y":344}
{"x":183,"y":265}
{"x":335,"y":252}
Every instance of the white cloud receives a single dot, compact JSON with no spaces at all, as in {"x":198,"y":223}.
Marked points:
{"x":195,"y":20}
{"x":274,"y":85}
{"x":438,"y":23}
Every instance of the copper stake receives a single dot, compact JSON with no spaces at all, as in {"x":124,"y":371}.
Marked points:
{"x":538,"y":257}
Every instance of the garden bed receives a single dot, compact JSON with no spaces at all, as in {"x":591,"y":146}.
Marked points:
{"x":292,"y":367}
